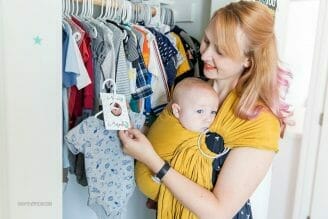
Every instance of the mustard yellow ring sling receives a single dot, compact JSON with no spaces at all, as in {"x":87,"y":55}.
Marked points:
{"x":180,"y":148}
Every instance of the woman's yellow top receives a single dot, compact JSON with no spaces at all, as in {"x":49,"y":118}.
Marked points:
{"x":179,"y":147}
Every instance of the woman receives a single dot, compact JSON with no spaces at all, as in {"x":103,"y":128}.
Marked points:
{"x":240,"y":59}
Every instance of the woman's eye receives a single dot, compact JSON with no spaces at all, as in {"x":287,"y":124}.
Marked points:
{"x":200,"y":111}
{"x":206,"y":41}
{"x":217,"y":49}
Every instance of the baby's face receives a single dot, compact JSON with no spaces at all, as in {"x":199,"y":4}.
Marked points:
{"x":197,"y":115}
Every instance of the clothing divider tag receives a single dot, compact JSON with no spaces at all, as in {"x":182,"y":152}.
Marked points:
{"x":115,"y":111}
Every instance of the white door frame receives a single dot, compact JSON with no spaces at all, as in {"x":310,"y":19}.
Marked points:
{"x":306,"y":195}
{"x":320,"y":191}
{"x":4,"y":197}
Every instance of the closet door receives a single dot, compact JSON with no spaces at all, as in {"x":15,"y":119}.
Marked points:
{"x":31,"y":108}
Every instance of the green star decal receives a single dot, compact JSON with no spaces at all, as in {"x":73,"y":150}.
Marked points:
{"x":37,"y":40}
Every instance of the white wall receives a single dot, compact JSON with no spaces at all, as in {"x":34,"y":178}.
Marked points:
{"x":32,"y":106}
{"x":201,"y":17}
{"x":216,"y":4}
{"x":298,"y":51}
{"x":281,"y":16}
{"x":284,"y":175}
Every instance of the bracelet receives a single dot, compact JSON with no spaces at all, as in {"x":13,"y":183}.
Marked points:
{"x":161,"y":173}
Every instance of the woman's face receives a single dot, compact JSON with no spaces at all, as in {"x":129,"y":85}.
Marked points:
{"x":218,"y":66}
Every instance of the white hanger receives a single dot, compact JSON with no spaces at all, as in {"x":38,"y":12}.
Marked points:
{"x":108,"y":4}
{"x":83,"y":8}
{"x":91,"y":8}
{"x":104,"y":87}
{"x":119,"y":11}
{"x":114,"y":7}
{"x":123,"y":11}
{"x":66,"y":8}
{"x":129,"y":11}
{"x":110,"y":9}
{"x":77,"y":8}
{"x":87,"y":9}
{"x":102,"y":9}
{"x":63,"y":8}
{"x":72,"y":8}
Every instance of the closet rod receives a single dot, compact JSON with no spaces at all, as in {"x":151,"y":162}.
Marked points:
{"x":99,"y":2}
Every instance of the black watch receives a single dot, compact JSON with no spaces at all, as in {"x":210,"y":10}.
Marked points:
{"x":161,"y":173}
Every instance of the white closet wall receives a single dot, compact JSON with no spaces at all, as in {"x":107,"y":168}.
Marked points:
{"x":31,"y":104}
{"x":3,"y":162}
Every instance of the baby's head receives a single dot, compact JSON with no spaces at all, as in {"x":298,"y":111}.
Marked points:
{"x":194,"y":104}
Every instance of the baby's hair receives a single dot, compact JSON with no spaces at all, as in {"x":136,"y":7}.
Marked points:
{"x":190,"y":84}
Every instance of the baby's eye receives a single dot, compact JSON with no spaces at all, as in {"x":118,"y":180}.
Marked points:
{"x":213,"y":112}
{"x":200,"y":111}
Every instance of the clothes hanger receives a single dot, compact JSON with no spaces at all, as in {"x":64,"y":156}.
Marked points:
{"x":66,"y":8}
{"x":71,"y":8}
{"x":83,"y":8}
{"x":63,"y":8}
{"x":102,"y":9}
{"x":87,"y":11}
{"x":124,"y":12}
{"x":120,"y":12}
{"x":91,"y":8}
{"x":104,"y":88}
{"x":108,"y":3}
{"x":113,"y":15}
{"x":128,"y":12}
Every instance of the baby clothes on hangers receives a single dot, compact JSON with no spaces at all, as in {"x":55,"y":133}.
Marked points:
{"x":110,"y":172}
{"x":121,"y":71}
{"x":104,"y":58}
{"x":161,"y":94}
{"x":167,"y":52}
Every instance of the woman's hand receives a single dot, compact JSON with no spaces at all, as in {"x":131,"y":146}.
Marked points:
{"x":137,"y":145}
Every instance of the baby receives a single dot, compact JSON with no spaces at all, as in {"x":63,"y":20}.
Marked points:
{"x":194,"y":104}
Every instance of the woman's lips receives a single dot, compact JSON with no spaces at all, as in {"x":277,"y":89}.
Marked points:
{"x":208,"y":67}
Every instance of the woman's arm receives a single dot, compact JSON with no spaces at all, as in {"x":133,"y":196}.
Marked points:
{"x":241,"y":173}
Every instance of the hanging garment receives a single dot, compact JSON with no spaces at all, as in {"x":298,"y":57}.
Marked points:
{"x":157,"y":76}
{"x":167,"y":52}
{"x":103,"y":58}
{"x":192,"y":48}
{"x":179,"y":147}
{"x":109,"y":171}
{"x":121,"y":72}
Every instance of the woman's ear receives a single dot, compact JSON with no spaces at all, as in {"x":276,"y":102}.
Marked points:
{"x":175,"y":110}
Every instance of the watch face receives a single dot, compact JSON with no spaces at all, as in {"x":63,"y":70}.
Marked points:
{"x":156,"y":179}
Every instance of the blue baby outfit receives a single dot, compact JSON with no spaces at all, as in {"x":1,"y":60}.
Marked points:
{"x":110,"y":172}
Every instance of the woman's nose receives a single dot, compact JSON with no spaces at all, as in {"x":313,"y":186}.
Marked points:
{"x":206,"y":54}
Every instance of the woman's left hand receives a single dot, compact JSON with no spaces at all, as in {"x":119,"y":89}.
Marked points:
{"x":137,"y":145}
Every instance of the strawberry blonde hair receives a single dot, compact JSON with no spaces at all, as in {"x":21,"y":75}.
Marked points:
{"x":263,"y":81}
